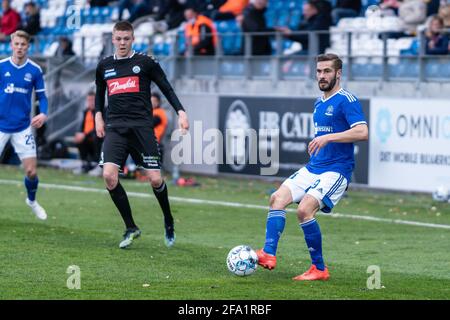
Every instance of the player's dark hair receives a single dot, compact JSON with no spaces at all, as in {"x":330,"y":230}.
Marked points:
{"x":91,"y":93}
{"x":337,"y":62}
{"x":123,"y":26}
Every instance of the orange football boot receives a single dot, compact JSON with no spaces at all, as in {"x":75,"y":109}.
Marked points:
{"x":266,"y":260}
{"x":313,"y":274}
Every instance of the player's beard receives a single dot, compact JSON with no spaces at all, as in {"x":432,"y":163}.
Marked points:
{"x":330,"y":85}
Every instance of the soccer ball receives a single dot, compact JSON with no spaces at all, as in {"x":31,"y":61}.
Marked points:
{"x":440,"y":194}
{"x":242,"y":260}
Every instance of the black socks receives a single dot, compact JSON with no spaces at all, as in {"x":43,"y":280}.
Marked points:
{"x":120,"y":199}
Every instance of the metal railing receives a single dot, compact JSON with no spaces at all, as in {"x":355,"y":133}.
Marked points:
{"x":185,"y":64}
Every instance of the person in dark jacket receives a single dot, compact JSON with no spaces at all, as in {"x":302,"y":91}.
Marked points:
{"x":317,"y":17}
{"x":31,"y":24}
{"x":200,"y":31}
{"x":171,"y":13}
{"x":64,"y":48}
{"x":86,"y":139}
{"x":436,"y":41}
{"x":253,"y":20}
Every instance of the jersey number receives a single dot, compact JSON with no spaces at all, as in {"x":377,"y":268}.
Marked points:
{"x":29,"y":139}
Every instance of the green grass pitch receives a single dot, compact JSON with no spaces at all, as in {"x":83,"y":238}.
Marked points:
{"x":84,"y":229}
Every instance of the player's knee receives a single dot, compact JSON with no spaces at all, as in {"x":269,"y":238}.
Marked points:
{"x":277,"y":201}
{"x":30,"y":173}
{"x":156,"y":181}
{"x":304,"y":213}
{"x":110,"y":179}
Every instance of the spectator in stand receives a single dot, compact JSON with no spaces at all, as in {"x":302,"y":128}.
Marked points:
{"x":136,"y":8}
{"x":345,"y":9}
{"x":9,"y":22}
{"x":98,"y":3}
{"x":86,"y":139}
{"x":160,"y":121}
{"x":436,"y":41}
{"x":170,"y":14}
{"x":317,"y":17}
{"x":64,"y":48}
{"x":229,"y":10}
{"x":444,"y":13}
{"x":390,"y":7}
{"x":32,"y":21}
{"x":200,"y":31}
{"x":433,"y":6}
{"x":253,"y":20}
{"x":208,"y":7}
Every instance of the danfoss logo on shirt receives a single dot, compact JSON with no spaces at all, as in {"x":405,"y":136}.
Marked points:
{"x":123,"y":85}
{"x":10,"y":88}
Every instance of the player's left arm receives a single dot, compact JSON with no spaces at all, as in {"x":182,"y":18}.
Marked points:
{"x":159,"y":77}
{"x":39,"y":86}
{"x":358,"y":131}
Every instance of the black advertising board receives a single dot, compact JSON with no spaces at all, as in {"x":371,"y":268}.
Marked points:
{"x":276,"y":144}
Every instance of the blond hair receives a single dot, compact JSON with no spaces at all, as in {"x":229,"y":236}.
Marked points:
{"x":21,"y":34}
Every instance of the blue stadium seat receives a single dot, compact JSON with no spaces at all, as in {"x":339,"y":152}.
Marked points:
{"x":270,"y":16}
{"x":230,"y":35}
{"x":181,"y":41}
{"x":295,"y":19}
{"x":282,"y":17}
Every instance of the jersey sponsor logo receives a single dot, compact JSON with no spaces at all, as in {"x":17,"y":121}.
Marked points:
{"x":10,"y":88}
{"x":28,"y":77}
{"x":329,"y":111}
{"x":7,"y":74}
{"x":110,"y":74}
{"x":327,"y":129}
{"x":123,"y":85}
{"x":136,"y":69}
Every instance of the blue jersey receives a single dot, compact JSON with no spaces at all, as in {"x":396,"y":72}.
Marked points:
{"x":338,"y":113}
{"x":16,"y":88}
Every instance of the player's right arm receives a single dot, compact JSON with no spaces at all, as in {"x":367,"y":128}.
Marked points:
{"x":99,"y":101}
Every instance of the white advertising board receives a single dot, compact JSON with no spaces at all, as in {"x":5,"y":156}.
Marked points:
{"x":409,"y":146}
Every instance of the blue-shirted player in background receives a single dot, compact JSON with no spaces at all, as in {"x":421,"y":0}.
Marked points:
{"x":338,"y":121}
{"x":18,"y":76}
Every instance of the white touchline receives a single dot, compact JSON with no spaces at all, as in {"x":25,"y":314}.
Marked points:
{"x":235,"y":204}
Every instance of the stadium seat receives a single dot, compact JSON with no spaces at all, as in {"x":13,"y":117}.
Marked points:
{"x":230,"y":35}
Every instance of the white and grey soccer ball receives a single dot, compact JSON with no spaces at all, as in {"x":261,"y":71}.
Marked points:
{"x":242,"y":260}
{"x":441,"y":194}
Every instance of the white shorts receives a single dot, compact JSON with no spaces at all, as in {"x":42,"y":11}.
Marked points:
{"x":23,"y":143}
{"x":328,"y":187}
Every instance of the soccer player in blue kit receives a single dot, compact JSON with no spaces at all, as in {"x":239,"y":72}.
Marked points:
{"x":339,"y":122}
{"x":18,"y":76}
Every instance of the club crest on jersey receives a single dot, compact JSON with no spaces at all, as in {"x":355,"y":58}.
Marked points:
{"x":136,"y":69}
{"x":329,"y":111}
{"x":28,"y":77}
{"x":123,"y":85}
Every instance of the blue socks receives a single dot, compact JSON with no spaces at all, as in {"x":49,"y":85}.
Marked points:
{"x":31,"y":186}
{"x":313,"y":238}
{"x":276,"y":219}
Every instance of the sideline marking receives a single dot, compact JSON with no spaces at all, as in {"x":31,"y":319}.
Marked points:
{"x":235,"y":205}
